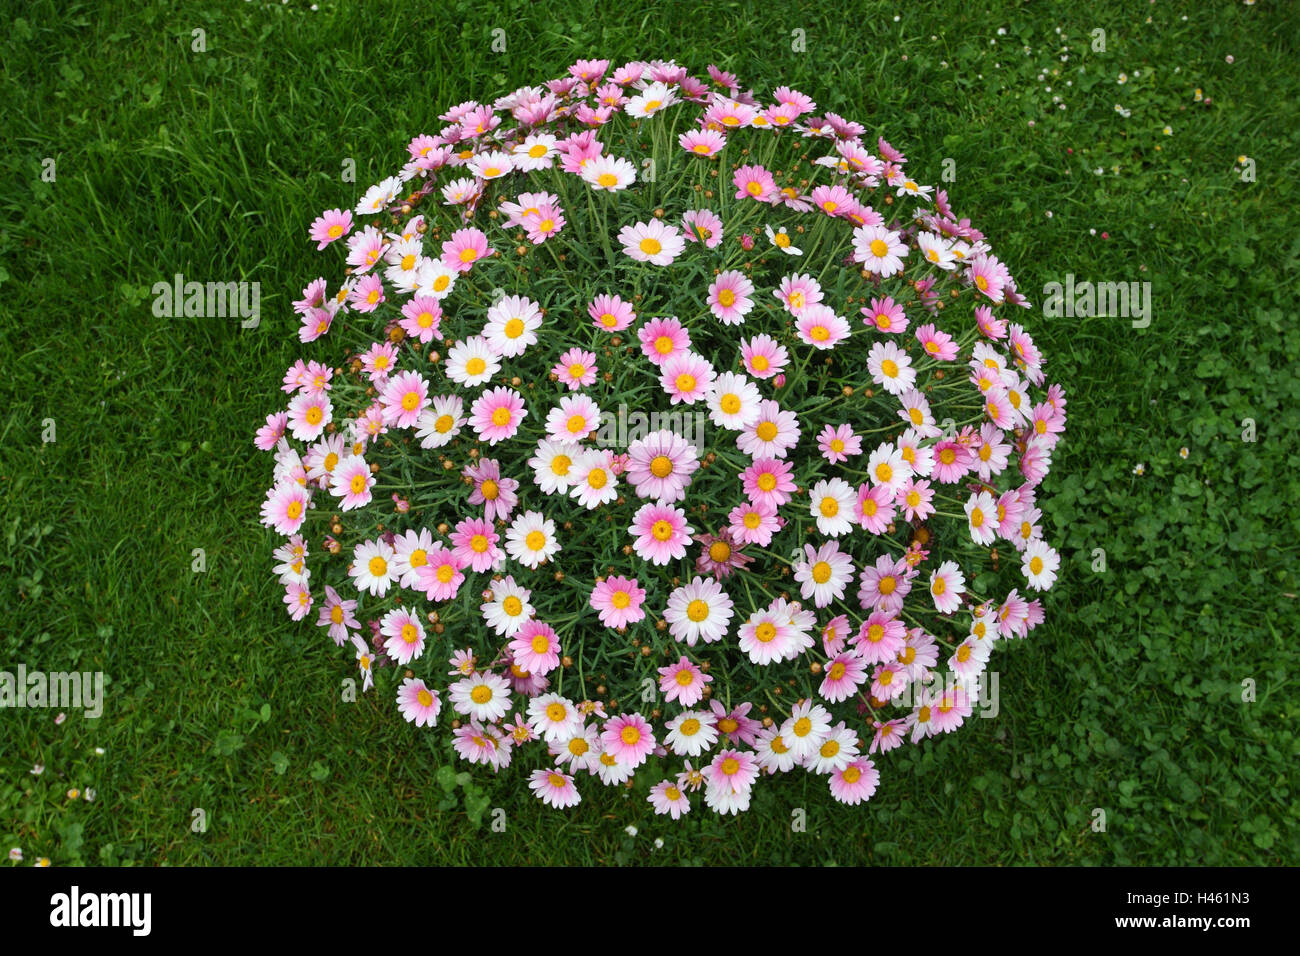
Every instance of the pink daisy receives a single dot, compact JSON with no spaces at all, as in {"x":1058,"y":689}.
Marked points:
{"x":915,"y":499}
{"x":754,"y":522}
{"x":702,"y":142}
{"x":475,"y":544}
{"x":368,"y":294}
{"x":880,"y":250}
{"x":576,"y":417}
{"x":660,"y":533}
{"x":938,"y":345}
{"x":884,"y":585}
{"x":754,"y":182}
{"x":285,"y":508}
{"x":730,"y":297}
{"x":660,"y":466}
{"x":536,"y":647}
{"x":309,"y":414}
{"x":734,"y":770}
{"x":685,"y":377}
{"x":417,"y":703}
{"x":269,"y":435}
{"x":441,"y":576}
{"x":495,"y":415}
{"x":628,"y":738}
{"x":352,"y":480}
{"x":797,"y":292}
{"x":683,"y":682}
{"x":576,"y":369}
{"x":464,"y":248}
{"x":619,"y":601}
{"x":611,"y":313}
{"x":768,"y":480}
{"x":668,"y":798}
{"x":844,"y":673}
{"x":880,"y":638}
{"x":856,"y":782}
{"x":884,"y":315}
{"x":820,"y":327}
{"x":701,"y":225}
{"x":297,"y":600}
{"x":421,"y":317}
{"x":378,"y":361}
{"x":331,"y":225}
{"x":404,"y":636}
{"x":497,"y":495}
{"x":763,"y":356}
{"x":661,"y":339}
{"x":337,"y":614}
{"x":838,"y":443}
{"x":405,"y":396}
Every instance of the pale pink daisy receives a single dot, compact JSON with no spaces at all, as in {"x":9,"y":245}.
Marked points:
{"x":496,"y":494}
{"x":820,"y":327}
{"x":269,"y":435}
{"x":337,"y":614}
{"x":555,"y":718}
{"x":915,"y":499}
{"x":404,"y":398}
{"x":702,"y":225}
{"x":824,"y":573}
{"x":555,"y":789}
{"x":660,"y":533}
{"x":285,"y":508}
{"x":379,"y":361}
{"x":880,"y":250}
{"x":701,"y":142}
{"x":947,"y":585}
{"x":683,"y":682}
{"x":667,"y":798}
{"x":884,"y":585}
{"x":981,"y":517}
{"x":889,"y":736}
{"x":890,"y":368}
{"x":837,"y":751}
{"x":889,"y":680}
{"x":352,"y":481}
{"x":619,"y":601}
{"x":410,"y":553}
{"x":734,"y":770}
{"x":766,"y":636}
{"x":441,"y":421}
{"x":1040,"y":565}
{"x":797,"y":292}
{"x":309,"y":414}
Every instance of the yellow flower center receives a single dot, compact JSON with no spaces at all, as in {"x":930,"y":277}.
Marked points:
{"x":651,"y":246}
{"x":476,"y":366}
{"x":697,"y":610}
{"x":501,"y":417}
{"x":720,"y":551}
{"x":879,"y":248}
{"x":481,"y":694}
{"x":821,"y":572}
{"x":535,"y":541}
{"x":378,"y":566}
{"x":512,"y":606}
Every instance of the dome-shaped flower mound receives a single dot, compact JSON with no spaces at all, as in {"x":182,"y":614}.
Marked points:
{"x":683,"y":428}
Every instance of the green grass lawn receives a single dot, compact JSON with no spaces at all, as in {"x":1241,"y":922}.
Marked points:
{"x":1157,"y":690}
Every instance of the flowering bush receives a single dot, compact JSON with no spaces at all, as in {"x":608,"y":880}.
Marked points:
{"x":684,"y":429}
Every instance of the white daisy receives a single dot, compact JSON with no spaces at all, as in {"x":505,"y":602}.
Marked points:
{"x":483,"y":696}
{"x":441,"y":421}
{"x":888,"y":468}
{"x":832,"y":503}
{"x":890,"y":368}
{"x":610,"y":173}
{"x":508,"y":609}
{"x":530,"y":539}
{"x":782,"y":241}
{"x":554,"y":717}
{"x":836,"y":751}
{"x":691,"y":733}
{"x":372,"y":567}
{"x":699,"y":611}
{"x":651,"y":100}
{"x":472,"y":362}
{"x":805,"y":729}
{"x":512,"y":325}
{"x":594,"y":481}
{"x":537,"y":151}
{"x":824,"y":573}
{"x":552,"y":465}
{"x":733,"y":401}
{"x":436,"y":279}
